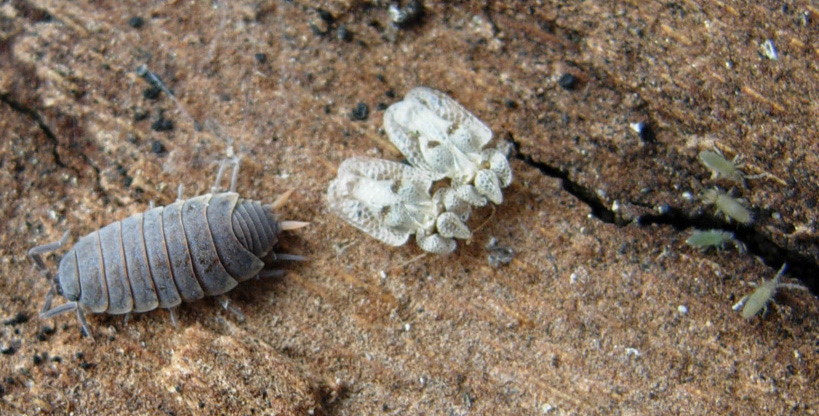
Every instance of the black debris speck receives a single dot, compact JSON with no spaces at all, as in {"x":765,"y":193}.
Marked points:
{"x":647,"y":133}
{"x":80,"y":355}
{"x":162,"y":124}
{"x":9,"y":380}
{"x":567,"y":82}
{"x":20,"y":318}
{"x":136,"y":22}
{"x":8,"y":350}
{"x":390,"y":94}
{"x":86,"y":365}
{"x":360,"y":112}
{"x":260,"y":58}
{"x":140,"y":114}
{"x":381,"y":106}
{"x":44,"y":332}
{"x":37,"y":359}
{"x":325,"y":15}
{"x":152,"y":93}
{"x":510,"y":104}
{"x":344,"y":34}
{"x":56,"y":359}
{"x":157,"y":147}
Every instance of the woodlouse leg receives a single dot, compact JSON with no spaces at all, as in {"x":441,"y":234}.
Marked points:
{"x":289,"y":257}
{"x":264,"y":274}
{"x":179,"y":192}
{"x":126,"y":318}
{"x":225,"y":302}
{"x":174,"y":322}
{"x":233,"y":177}
{"x":85,"y":328}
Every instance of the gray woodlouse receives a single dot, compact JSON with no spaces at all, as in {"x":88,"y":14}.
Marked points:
{"x":192,"y":248}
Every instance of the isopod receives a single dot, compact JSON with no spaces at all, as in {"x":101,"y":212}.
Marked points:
{"x":728,"y":205}
{"x":758,"y":301}
{"x":192,"y":248}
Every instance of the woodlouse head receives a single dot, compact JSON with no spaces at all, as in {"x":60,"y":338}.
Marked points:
{"x":67,"y":281}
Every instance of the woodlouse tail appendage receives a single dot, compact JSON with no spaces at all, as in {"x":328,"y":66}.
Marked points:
{"x":192,"y":248}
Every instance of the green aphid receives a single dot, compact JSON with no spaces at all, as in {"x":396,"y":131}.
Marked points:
{"x":729,"y":206}
{"x":722,"y":167}
{"x":758,"y":301}
{"x":703,"y":240}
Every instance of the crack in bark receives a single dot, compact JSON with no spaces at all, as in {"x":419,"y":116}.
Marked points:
{"x":38,"y":120}
{"x":800,"y":266}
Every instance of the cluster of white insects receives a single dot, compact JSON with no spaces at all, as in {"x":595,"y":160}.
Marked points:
{"x":441,"y":140}
{"x":734,"y":209}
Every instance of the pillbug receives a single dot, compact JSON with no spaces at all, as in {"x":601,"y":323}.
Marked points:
{"x":702,"y":239}
{"x":728,"y":205}
{"x":192,"y":248}
{"x":758,"y":301}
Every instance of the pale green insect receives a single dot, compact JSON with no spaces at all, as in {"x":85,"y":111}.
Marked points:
{"x":728,"y":206}
{"x":702,"y":240}
{"x":758,"y":301}
{"x":721,"y":167}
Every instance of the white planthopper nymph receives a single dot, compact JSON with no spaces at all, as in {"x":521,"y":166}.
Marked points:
{"x":390,"y":201}
{"x":441,"y":140}
{"x":439,"y":136}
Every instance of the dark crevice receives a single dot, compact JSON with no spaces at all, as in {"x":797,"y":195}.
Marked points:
{"x":800,"y":266}
{"x":38,"y":120}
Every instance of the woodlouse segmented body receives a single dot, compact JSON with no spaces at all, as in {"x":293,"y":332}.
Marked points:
{"x":202,"y":246}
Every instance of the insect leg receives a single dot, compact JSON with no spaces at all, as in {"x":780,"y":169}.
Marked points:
{"x":179,"y":192}
{"x":233,"y":176}
{"x":85,"y":328}
{"x":174,"y":322}
{"x":264,"y":274}
{"x":225,"y":302}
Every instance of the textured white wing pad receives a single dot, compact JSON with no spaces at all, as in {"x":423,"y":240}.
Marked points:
{"x":439,"y":136}
{"x":440,"y":139}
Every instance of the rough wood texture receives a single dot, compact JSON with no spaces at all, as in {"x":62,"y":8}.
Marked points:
{"x":585,"y":320}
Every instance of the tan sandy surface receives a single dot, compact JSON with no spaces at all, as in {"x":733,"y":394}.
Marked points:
{"x":603,"y":311}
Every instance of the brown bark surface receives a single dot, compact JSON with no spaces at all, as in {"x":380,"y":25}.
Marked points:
{"x":604,"y":308}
